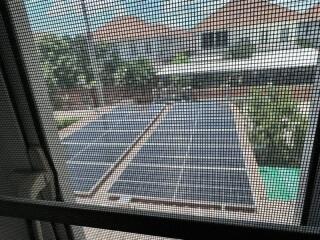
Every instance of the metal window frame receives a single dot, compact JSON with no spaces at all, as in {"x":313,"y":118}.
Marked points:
{"x":136,"y":221}
{"x":146,"y":222}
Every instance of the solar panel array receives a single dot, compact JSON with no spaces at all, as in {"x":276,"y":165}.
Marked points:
{"x":96,"y":148}
{"x":194,"y":155}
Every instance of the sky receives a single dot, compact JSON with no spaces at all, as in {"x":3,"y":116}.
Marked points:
{"x":65,"y":17}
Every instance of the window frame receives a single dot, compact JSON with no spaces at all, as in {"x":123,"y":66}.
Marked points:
{"x":284,"y":34}
{"x":146,"y":222}
{"x":136,"y":221}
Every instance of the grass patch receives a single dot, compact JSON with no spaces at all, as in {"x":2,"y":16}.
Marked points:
{"x":281,"y":183}
{"x":66,"y":122}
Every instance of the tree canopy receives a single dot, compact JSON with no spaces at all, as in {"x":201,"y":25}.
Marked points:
{"x":66,"y":61}
{"x":136,"y":74}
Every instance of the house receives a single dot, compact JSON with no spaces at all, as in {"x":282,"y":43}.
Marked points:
{"x":133,"y":38}
{"x":274,"y":31}
{"x":266,"y":25}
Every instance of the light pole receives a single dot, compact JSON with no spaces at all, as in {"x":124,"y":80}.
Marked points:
{"x":94,"y":68}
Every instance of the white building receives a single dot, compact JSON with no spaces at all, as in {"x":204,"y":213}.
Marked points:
{"x":266,"y":25}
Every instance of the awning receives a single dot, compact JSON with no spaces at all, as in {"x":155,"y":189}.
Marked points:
{"x":261,"y":61}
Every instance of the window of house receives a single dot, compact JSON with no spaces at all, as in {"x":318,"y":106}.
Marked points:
{"x":264,"y":36}
{"x":208,"y":40}
{"x":230,"y":139}
{"x":221,"y":38}
{"x":284,"y":34}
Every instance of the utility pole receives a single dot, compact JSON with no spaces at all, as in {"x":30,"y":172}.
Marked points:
{"x":94,"y":67}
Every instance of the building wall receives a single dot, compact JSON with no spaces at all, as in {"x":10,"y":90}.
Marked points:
{"x":159,"y":49}
{"x":266,"y":37}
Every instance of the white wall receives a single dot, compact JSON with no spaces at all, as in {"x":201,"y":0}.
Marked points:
{"x":155,"y":49}
{"x":255,"y":34}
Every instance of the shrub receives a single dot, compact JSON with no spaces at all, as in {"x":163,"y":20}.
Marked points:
{"x":278,"y":128}
{"x":137,"y":76}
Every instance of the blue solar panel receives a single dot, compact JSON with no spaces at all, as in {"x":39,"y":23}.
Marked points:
{"x":74,"y":149}
{"x":151,"y":174}
{"x":119,"y":137}
{"x":130,"y":116}
{"x":220,"y":162}
{"x":105,"y":149}
{"x":134,"y":112}
{"x":160,"y":139}
{"x":222,"y":195}
{"x":86,"y":170}
{"x":208,"y":151}
{"x":174,"y":127}
{"x":207,"y":137}
{"x":215,"y":178}
{"x":116,"y":126}
{"x":199,"y":194}
{"x":89,"y":158}
{"x":194,"y":139}
{"x":141,"y":189}
{"x":167,"y":133}
{"x":105,"y":140}
{"x":163,"y":150}
{"x":83,"y":137}
{"x":216,"y":124}
{"x":158,"y":160}
{"x":239,"y":196}
{"x":82,"y":185}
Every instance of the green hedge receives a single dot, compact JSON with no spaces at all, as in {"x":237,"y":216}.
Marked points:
{"x":278,"y":127}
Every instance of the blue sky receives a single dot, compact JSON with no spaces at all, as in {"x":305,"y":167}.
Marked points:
{"x":65,"y":17}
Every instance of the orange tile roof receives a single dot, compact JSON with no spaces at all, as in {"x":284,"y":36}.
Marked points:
{"x":239,"y":13}
{"x":132,"y":28}
{"x":313,"y":13}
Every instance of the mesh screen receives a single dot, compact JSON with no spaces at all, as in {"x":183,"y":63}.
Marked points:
{"x":202,"y":108}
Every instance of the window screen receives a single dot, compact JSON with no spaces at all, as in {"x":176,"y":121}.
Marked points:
{"x":166,"y":106}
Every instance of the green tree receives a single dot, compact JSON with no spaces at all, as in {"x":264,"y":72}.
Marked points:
{"x":278,"y":127}
{"x":58,"y":61}
{"x":79,"y":48}
{"x":109,"y":61}
{"x":138,"y":76}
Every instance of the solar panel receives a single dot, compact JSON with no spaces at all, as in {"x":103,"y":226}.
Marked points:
{"x":95,"y":148}
{"x":143,"y":189}
{"x":151,"y":174}
{"x":158,"y":160}
{"x":185,"y":161}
